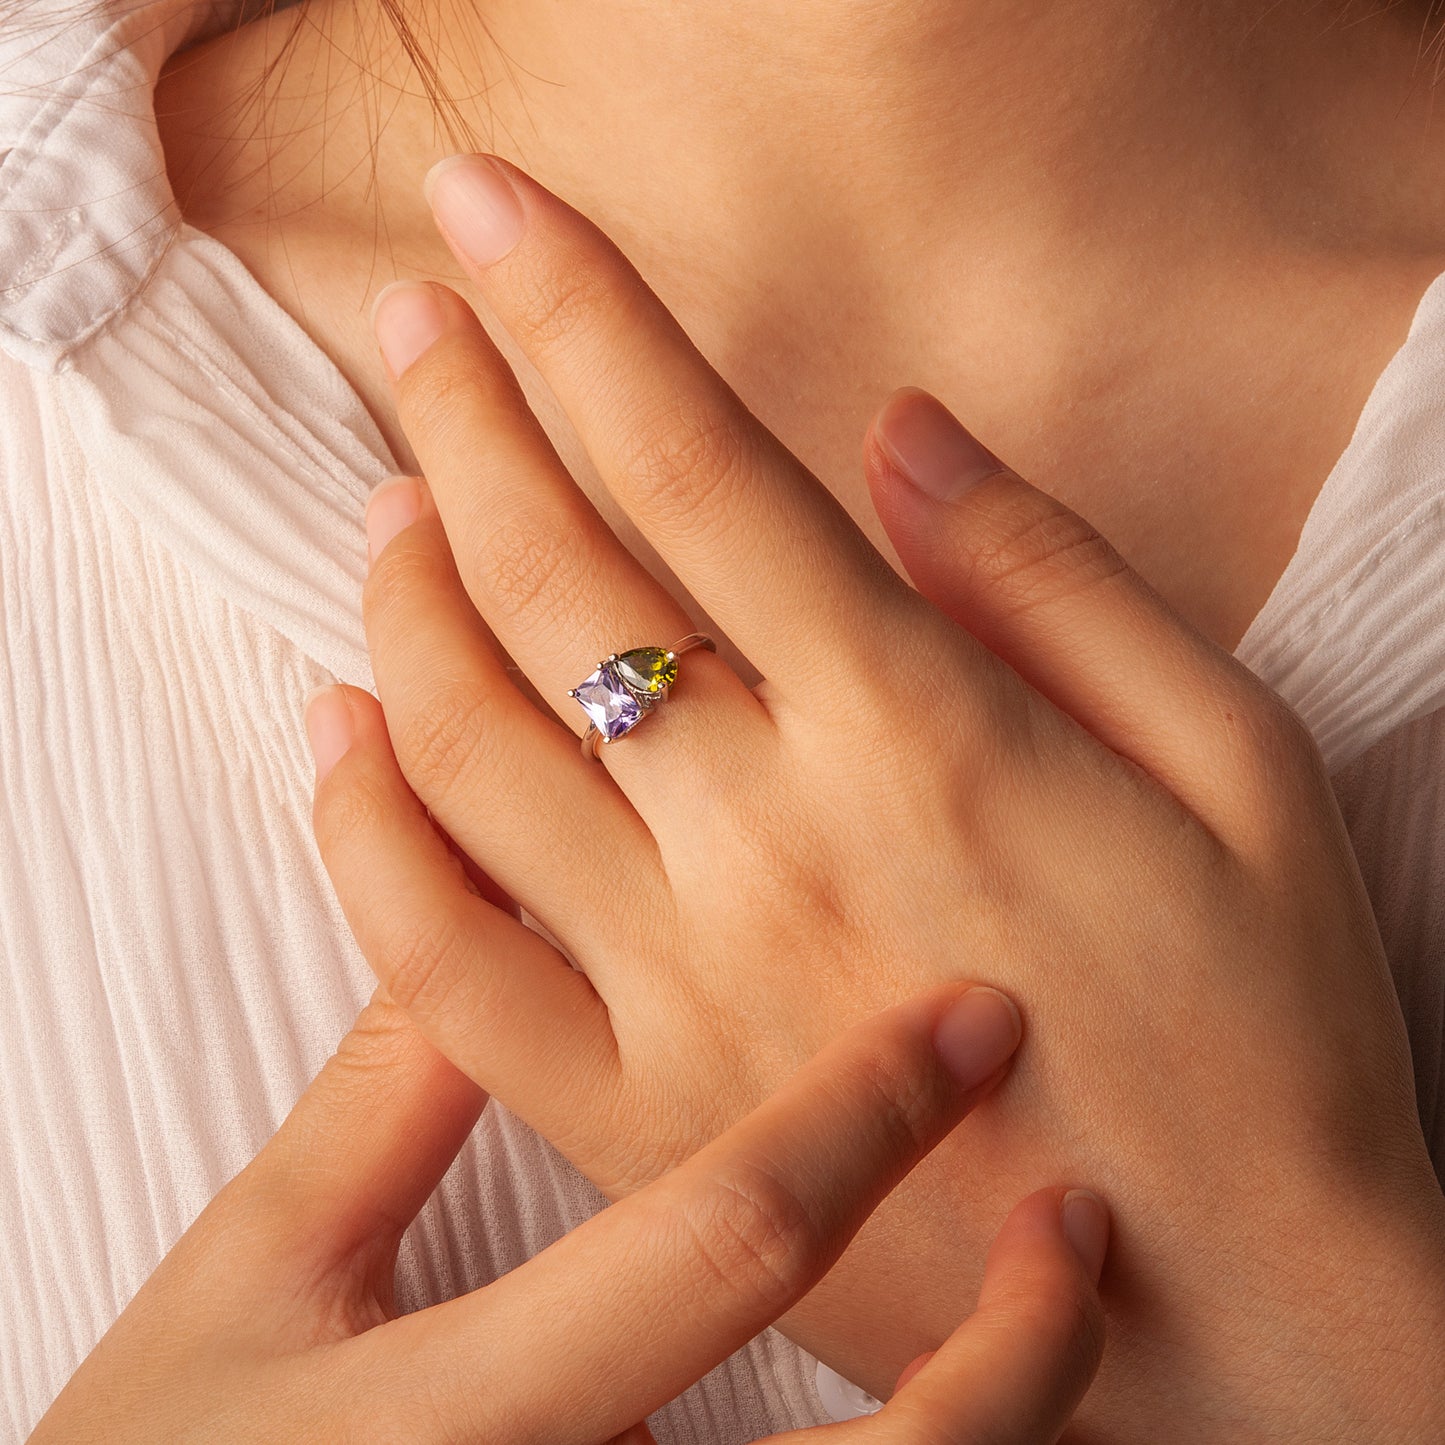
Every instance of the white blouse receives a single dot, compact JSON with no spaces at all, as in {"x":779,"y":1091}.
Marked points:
{"x":182,"y":480}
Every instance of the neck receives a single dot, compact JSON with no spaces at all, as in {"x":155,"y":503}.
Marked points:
{"x":1069,"y":165}
{"x":1008,"y":132}
{"x":1080,"y":222}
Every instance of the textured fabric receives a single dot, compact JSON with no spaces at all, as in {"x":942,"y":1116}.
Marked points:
{"x":183,"y":475}
{"x":1354,"y":632}
{"x":182,"y":482}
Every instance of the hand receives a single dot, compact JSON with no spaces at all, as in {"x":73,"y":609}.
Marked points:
{"x":1036,"y":775}
{"x":272,"y":1318}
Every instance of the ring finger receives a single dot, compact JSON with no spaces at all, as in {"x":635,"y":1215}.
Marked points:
{"x":507,"y":783}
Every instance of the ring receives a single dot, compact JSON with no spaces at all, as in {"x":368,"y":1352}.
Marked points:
{"x":627,"y":686}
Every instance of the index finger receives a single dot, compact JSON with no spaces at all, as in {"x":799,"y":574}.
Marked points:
{"x":727,"y":506}
{"x":625,"y":1312}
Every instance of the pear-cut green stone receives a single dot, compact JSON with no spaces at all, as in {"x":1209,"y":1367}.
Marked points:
{"x":647,"y":670}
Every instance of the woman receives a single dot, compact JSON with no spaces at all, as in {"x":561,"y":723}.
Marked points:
{"x":1167,"y":221}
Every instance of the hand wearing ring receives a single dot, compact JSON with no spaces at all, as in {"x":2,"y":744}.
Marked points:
{"x":1033,"y":774}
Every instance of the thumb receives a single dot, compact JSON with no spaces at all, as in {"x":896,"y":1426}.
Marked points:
{"x":357,"y":1157}
{"x":1039,"y":586}
{"x":1016,"y":1369}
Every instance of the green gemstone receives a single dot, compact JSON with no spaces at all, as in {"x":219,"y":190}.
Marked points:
{"x":647,"y":670}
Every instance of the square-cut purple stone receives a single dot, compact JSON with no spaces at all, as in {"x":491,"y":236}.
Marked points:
{"x":606,"y":700}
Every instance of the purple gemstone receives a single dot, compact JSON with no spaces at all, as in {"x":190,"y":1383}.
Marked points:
{"x":606,"y":700}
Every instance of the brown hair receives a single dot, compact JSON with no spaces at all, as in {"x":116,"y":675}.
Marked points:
{"x":450,"y":109}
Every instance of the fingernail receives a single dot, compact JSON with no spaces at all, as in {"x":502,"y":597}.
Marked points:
{"x":925,"y":442}
{"x":329,"y":728}
{"x":407,"y":318}
{"x":977,"y":1036}
{"x":1085,"y":1223}
{"x":475,"y":206}
{"x":393,"y":505}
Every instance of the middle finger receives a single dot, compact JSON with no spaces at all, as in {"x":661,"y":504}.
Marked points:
{"x":751,"y":533}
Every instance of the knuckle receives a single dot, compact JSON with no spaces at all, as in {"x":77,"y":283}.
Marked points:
{"x":1284,"y":734}
{"x":682,"y":460}
{"x":1037,"y":553}
{"x":1277,"y":767}
{"x":765,"y":861}
{"x":755,"y":1236}
{"x":555,"y":302}
{"x":420,"y":959}
{"x":530,"y":571}
{"x":439,"y":398}
{"x":352,"y":809}
{"x":902,"y":1100}
{"x":443,"y":740}
{"x":376,"y":1043}
{"x":392,"y":591}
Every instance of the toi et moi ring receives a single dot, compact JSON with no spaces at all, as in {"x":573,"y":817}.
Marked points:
{"x":627,"y":686}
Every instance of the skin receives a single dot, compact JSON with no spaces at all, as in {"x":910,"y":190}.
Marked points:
{"x":272,"y":1318}
{"x":1161,"y":181}
{"x":1087,"y":801}
{"x":1155,"y":252}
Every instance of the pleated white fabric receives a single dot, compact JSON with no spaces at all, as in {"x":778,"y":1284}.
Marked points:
{"x":1354,"y":632}
{"x":182,"y":481}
